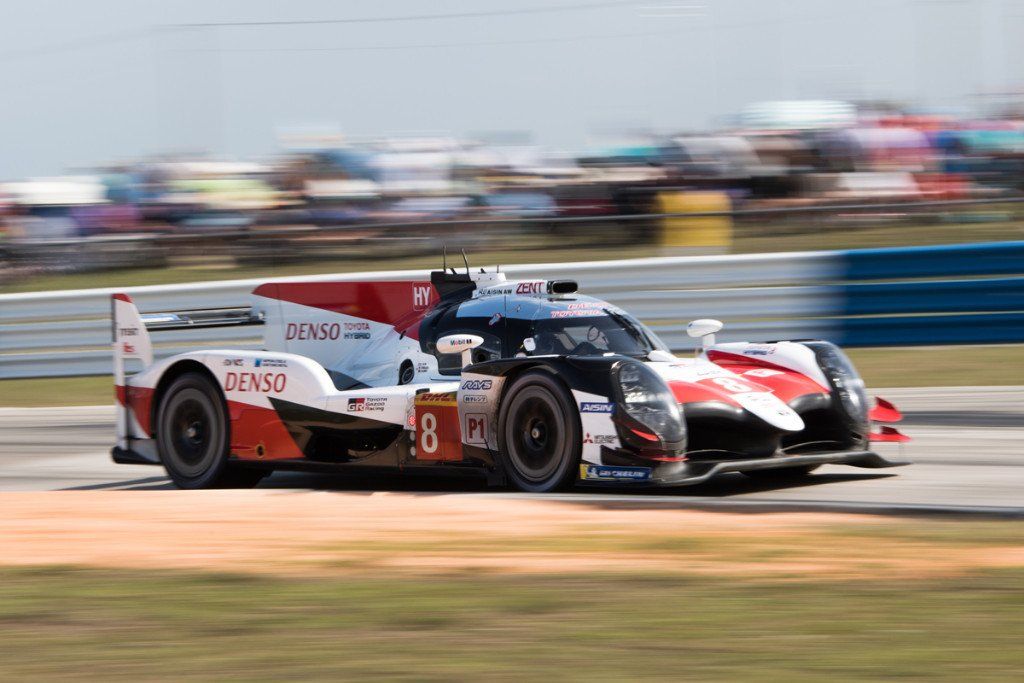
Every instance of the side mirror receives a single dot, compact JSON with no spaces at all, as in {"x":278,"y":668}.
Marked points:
{"x":704,"y":328}
{"x":460,"y":343}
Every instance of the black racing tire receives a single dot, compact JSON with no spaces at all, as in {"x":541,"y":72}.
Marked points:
{"x":539,"y":434}
{"x":193,"y":436}
{"x":782,"y":474}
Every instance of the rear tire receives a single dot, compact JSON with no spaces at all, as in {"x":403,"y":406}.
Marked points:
{"x":539,"y":434}
{"x":193,"y":438}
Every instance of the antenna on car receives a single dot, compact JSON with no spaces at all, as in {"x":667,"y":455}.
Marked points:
{"x":444,"y":259}
{"x":465,"y":260}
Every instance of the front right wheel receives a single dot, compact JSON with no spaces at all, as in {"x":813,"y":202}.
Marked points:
{"x":539,"y":433}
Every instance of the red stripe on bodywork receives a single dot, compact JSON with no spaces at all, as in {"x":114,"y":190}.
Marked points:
{"x":140,"y":401}
{"x":401,"y":304}
{"x":726,"y":359}
{"x":253,"y":428}
{"x":694,"y":392}
{"x":787,"y":385}
{"x":122,"y":297}
{"x":259,"y":434}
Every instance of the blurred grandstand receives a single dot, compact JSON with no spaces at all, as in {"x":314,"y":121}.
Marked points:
{"x":830,"y":164}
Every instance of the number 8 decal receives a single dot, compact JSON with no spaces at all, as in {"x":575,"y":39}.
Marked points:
{"x":730,"y":384}
{"x":428,"y":433}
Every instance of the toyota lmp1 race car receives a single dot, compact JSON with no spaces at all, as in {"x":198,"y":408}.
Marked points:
{"x":529,"y":383}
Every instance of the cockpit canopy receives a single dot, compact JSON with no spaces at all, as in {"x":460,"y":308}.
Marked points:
{"x":533,"y":326}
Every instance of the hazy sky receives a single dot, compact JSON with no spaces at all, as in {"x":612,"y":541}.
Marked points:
{"x":90,"y":81}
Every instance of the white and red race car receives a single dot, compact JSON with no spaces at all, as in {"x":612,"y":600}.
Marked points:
{"x":528,"y":383}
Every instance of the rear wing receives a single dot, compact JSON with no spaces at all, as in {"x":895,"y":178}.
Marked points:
{"x":205,"y":317}
{"x":130,"y":332}
{"x":130,"y":329}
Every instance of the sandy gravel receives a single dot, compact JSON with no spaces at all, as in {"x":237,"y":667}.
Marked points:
{"x":285,"y":532}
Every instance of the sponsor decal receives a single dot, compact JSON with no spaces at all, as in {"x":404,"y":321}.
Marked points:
{"x":262,"y":382}
{"x":476,"y":428}
{"x":422,"y":367}
{"x":577,"y":313}
{"x":608,"y":473}
{"x":763,"y":372}
{"x":476,"y":385}
{"x":495,"y":319}
{"x":462,"y":341}
{"x":420,"y":297}
{"x":597,"y":407}
{"x":601,"y":439}
{"x":435,"y":399}
{"x":128,"y":331}
{"x":474,"y":398}
{"x":312,"y":331}
{"x":236,"y":362}
{"x":358,"y":330}
{"x":494,"y":291}
{"x":759,"y":351}
{"x":127,"y":348}
{"x":365,"y":404}
{"x":271,"y":363}
{"x":533,"y":287}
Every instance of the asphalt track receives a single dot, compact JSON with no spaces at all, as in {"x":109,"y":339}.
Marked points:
{"x":967,"y":448}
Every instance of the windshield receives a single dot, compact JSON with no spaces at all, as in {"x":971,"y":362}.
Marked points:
{"x":613,"y":332}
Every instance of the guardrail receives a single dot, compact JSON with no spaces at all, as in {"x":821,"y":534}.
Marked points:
{"x":957,"y":294}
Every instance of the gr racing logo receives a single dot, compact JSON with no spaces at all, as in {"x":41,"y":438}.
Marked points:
{"x":476,"y":385}
{"x":366,"y":404}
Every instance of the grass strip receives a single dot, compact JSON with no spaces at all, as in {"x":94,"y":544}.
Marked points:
{"x":105,"y":625}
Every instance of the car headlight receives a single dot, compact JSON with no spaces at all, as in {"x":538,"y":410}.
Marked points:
{"x":846,"y":382}
{"x":646,"y":398}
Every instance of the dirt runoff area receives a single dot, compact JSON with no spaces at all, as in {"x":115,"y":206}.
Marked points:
{"x":329,"y":533}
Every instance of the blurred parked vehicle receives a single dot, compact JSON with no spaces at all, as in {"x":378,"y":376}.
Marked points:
{"x":397,"y":196}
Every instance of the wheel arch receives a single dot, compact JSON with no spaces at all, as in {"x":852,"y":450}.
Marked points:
{"x":517,"y":370}
{"x":176,"y":370}
{"x":590,"y":375}
{"x":549,"y":371}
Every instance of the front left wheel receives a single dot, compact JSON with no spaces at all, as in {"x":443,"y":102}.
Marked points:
{"x":539,"y":434}
{"x":192,"y":437}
